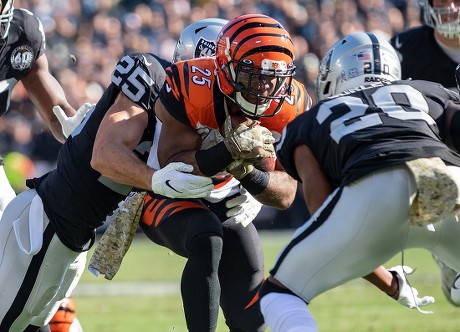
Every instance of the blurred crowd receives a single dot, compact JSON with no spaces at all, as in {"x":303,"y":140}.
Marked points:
{"x":86,"y":38}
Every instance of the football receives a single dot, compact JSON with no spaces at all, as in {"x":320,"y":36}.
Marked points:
{"x":266,"y":164}
{"x":237,"y":119}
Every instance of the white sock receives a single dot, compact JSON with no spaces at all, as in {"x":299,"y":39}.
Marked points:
{"x":287,"y":313}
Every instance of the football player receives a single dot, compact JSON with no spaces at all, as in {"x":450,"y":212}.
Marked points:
{"x":439,"y":37}
{"x":370,"y":139}
{"x":23,"y":58}
{"x":250,"y":76}
{"x":46,"y":231}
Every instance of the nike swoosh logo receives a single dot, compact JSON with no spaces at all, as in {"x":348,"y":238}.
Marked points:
{"x":398,"y":43}
{"x":167,"y":183}
{"x":168,"y":88}
{"x":146,"y":62}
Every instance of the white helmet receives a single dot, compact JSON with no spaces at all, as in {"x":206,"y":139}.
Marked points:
{"x":198,"y":39}
{"x":5,"y":17}
{"x":360,"y":58}
{"x":446,"y":20}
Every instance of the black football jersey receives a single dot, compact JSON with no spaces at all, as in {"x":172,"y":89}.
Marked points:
{"x":18,"y":52}
{"x":371,"y":128}
{"x":422,"y":58}
{"x":77,"y":198}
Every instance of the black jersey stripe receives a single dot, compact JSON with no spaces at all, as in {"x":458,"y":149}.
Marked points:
{"x":186,"y":79}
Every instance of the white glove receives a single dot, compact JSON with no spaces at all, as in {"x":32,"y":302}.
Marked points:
{"x":243,"y":208}
{"x":69,"y":124}
{"x":408,"y":295}
{"x":173,"y":181}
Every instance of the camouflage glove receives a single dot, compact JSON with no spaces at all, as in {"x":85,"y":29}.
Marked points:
{"x":248,"y":140}
{"x":240,"y":168}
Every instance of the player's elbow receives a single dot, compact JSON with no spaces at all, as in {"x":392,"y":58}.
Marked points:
{"x":98,"y":161}
{"x":285,"y":202}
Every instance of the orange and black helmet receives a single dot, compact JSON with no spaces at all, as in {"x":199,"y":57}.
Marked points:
{"x":255,"y":62}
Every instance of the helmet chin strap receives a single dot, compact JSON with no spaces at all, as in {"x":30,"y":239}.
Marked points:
{"x":246,"y":106}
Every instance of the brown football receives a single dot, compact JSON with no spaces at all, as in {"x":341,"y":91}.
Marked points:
{"x":237,"y":119}
{"x":266,"y":164}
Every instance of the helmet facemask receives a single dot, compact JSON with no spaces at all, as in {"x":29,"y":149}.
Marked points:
{"x":446,"y":20}
{"x":5,"y":18}
{"x":257,"y":86}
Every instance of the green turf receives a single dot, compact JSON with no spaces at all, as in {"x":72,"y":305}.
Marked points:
{"x":356,"y":306}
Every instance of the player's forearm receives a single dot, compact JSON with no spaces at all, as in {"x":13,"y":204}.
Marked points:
{"x":383,"y":280}
{"x":122,"y":166}
{"x":279,"y":192}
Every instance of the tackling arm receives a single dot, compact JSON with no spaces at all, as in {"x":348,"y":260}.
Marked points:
{"x":177,"y":142}
{"x":119,"y":133}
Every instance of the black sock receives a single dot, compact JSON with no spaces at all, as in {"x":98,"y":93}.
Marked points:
{"x":200,"y":283}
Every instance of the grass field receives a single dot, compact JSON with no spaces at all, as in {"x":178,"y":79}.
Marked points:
{"x":144,"y":296}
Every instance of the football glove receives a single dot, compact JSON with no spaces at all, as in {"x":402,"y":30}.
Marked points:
{"x":248,"y":140}
{"x":173,"y":181}
{"x":70,"y":123}
{"x":239,"y":168}
{"x":243,"y":208}
{"x":408,"y":295}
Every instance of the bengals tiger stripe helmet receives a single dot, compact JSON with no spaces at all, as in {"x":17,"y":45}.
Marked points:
{"x":255,"y":63}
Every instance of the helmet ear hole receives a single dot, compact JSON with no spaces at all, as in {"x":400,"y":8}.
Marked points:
{"x":326,"y":88}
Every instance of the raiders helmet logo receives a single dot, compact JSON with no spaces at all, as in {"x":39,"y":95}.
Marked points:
{"x":21,"y":57}
{"x":205,"y":48}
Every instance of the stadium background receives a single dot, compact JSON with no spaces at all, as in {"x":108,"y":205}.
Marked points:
{"x":97,"y":33}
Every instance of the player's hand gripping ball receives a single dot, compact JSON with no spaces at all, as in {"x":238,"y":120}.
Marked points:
{"x":245,"y":139}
